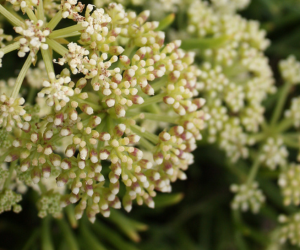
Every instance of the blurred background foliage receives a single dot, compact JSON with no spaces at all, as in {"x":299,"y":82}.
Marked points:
{"x":197,"y":214}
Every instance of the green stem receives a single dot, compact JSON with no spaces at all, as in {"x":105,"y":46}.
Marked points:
{"x":254,"y":170}
{"x":127,"y":52}
{"x":46,"y":238}
{"x":147,"y":135}
{"x":151,"y":100}
{"x":280,"y":103}
{"x":40,"y":10}
{"x":284,"y":125}
{"x":21,"y":77}
{"x":32,"y":239}
{"x":166,"y":22}
{"x":55,"y":20}
{"x":112,"y":237}
{"x":91,"y":241}
{"x":290,"y":142}
{"x":146,"y":144}
{"x":76,"y":33}
{"x":128,"y":226}
{"x":68,"y":234}
{"x":204,"y":43}
{"x":48,"y":61}
{"x":259,"y":137}
{"x":154,"y":117}
{"x":31,"y":15}
{"x":71,"y":216}
{"x":160,"y":83}
{"x":57,"y":47}
{"x":11,"y":47}
{"x":42,"y":187}
{"x":66,"y":31}
{"x":10,"y":16}
{"x":11,"y":170}
{"x":31,"y":95}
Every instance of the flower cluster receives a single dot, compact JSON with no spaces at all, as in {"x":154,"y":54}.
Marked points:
{"x":289,"y":183}
{"x":33,"y":37}
{"x":274,"y":153}
{"x":92,"y":139}
{"x":247,"y":197}
{"x":290,"y":70}
{"x":235,"y":77}
{"x":290,"y":228}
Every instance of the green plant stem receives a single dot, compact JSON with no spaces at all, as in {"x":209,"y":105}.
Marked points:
{"x":280,"y":103}
{"x":31,"y":15}
{"x":68,"y":234}
{"x":10,"y":17}
{"x":66,"y":31}
{"x":40,"y":10}
{"x":71,"y":216}
{"x":160,"y":83}
{"x":146,"y":144}
{"x":91,"y":241}
{"x":31,"y":95}
{"x":128,"y":226}
{"x":11,"y":170}
{"x":21,"y":77}
{"x":57,"y":47}
{"x":166,"y":22}
{"x":32,"y":239}
{"x":154,"y":117}
{"x":46,"y":237}
{"x":204,"y":43}
{"x":291,"y":142}
{"x":76,"y":33}
{"x":55,"y":20}
{"x":112,"y":237}
{"x":147,"y":135}
{"x":254,"y":169}
{"x":284,"y":125}
{"x":48,"y":61}
{"x":149,"y":101}
{"x":10,"y":47}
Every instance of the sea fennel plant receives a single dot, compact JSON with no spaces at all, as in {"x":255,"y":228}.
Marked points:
{"x":96,"y":128}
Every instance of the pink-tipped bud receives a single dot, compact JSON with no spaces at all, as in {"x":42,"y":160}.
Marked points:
{"x":104,"y":136}
{"x":70,"y":150}
{"x":137,"y":99}
{"x":94,"y":156}
{"x":134,"y":139}
{"x":81,"y":83}
{"x":46,"y":169}
{"x":86,"y":109}
{"x":35,"y":175}
{"x":125,"y":60}
{"x":59,"y":119}
{"x":104,"y":154}
{"x":176,"y":130}
{"x":120,"y":110}
{"x":116,"y":50}
{"x":55,"y":160}
{"x":164,"y":136}
{"x":25,"y":165}
{"x":83,"y":153}
{"x":66,"y":164}
{"x":148,"y":90}
{"x":119,"y":129}
{"x":158,"y":158}
{"x":199,"y":102}
{"x":62,"y":180}
{"x":116,"y":168}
